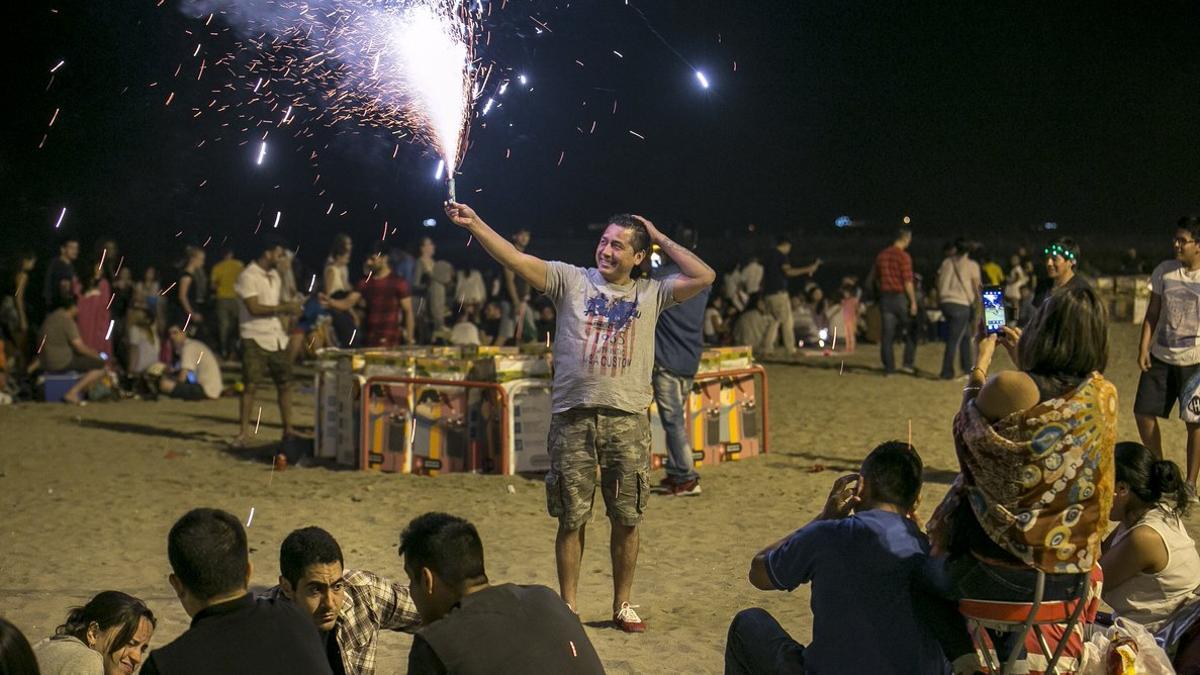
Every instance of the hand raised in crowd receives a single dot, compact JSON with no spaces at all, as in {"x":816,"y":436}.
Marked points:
{"x":843,"y":497}
{"x":461,"y":214}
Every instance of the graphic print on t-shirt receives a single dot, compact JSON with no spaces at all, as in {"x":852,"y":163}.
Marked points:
{"x":608,"y":339}
{"x":1182,"y":327}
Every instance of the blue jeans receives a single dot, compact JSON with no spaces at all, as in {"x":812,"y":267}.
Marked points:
{"x":893,"y":311}
{"x":958,"y":320}
{"x":670,"y":393}
{"x":758,"y":644}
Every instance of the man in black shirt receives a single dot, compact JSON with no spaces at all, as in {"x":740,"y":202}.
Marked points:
{"x":776,"y":272}
{"x":231,"y":632}
{"x":472,"y":627}
{"x":61,"y":280}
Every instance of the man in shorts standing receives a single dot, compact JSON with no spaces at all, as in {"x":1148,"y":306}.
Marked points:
{"x":603,"y":358}
{"x":1169,"y":352}
{"x":264,"y":342}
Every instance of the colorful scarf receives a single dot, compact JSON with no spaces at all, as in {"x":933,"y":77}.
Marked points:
{"x":1039,"y":481}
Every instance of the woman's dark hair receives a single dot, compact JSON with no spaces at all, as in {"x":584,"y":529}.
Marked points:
{"x":108,"y":609}
{"x":341,"y":245}
{"x":1191,"y":224}
{"x":1068,"y":335}
{"x":16,"y":656}
{"x":1153,"y":480}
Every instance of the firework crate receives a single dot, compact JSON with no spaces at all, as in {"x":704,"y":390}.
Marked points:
{"x":508,"y":367}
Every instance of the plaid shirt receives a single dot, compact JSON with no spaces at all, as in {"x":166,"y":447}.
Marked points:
{"x":893,"y":267}
{"x":383,"y":298}
{"x":372,"y":603}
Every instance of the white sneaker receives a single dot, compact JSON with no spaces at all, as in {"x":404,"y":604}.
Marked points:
{"x":628,"y":620}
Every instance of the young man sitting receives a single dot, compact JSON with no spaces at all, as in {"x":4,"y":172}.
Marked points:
{"x":199,"y":375}
{"x":862,"y":554}
{"x":474,"y":628}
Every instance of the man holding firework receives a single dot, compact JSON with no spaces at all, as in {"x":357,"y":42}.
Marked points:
{"x":603,"y":358}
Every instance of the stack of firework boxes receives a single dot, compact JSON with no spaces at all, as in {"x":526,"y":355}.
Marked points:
{"x":723,"y":414}
{"x":1126,"y":297}
{"x":429,"y":429}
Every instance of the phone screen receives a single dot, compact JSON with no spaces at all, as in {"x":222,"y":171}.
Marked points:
{"x":993,"y":309}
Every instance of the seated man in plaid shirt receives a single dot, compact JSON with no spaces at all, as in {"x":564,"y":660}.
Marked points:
{"x":350,"y":607}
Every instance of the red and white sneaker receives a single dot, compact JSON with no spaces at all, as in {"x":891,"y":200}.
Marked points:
{"x":687,"y":488}
{"x":628,"y":620}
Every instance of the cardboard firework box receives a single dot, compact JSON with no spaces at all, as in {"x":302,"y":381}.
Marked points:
{"x":442,"y":438}
{"x":741,"y":427}
{"x":338,"y":386}
{"x":531,"y":410}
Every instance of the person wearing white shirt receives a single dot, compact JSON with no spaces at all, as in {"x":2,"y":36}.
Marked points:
{"x":264,"y":341}
{"x":959,"y":282}
{"x":199,"y":375}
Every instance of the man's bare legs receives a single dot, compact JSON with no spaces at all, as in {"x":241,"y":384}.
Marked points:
{"x":247,"y":404}
{"x":83,"y":384}
{"x":568,"y":557}
{"x":1151,"y":435}
{"x":624,"y":549}
{"x":1193,"y":453}
{"x":285,"y":408}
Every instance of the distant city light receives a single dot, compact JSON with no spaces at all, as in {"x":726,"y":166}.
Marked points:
{"x":842,"y":221}
{"x":1050,"y":226}
{"x":907,"y":220}
{"x":429,"y":222}
{"x":703,"y":80}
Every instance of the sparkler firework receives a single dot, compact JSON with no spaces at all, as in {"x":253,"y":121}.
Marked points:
{"x":406,"y":66}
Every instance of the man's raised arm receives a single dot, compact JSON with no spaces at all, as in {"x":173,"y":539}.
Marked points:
{"x":694,"y":274}
{"x":530,"y":268}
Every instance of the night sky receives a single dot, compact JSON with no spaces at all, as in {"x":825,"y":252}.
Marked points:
{"x":966,"y":116}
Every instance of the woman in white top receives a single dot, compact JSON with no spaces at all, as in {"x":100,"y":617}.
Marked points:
{"x":110,"y":635}
{"x":337,"y":268}
{"x":1151,"y":568}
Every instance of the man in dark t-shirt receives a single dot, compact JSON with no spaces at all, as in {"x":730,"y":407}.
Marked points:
{"x":61,"y":279}
{"x":474,"y":628}
{"x":231,"y":632}
{"x":776,"y":272}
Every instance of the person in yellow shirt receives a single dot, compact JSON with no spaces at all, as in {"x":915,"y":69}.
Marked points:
{"x":223,"y":278}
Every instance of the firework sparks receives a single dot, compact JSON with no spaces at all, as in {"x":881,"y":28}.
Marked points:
{"x":62,"y":214}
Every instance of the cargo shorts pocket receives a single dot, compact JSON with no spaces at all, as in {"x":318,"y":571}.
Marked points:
{"x":555,"y":503}
{"x":643,"y":496}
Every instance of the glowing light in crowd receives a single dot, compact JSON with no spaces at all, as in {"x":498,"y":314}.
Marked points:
{"x":441,"y":169}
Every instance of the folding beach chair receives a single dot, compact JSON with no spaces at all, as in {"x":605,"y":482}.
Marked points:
{"x":1031,"y":627}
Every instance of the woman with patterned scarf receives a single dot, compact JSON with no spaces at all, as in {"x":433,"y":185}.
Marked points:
{"x":1035,"y":451}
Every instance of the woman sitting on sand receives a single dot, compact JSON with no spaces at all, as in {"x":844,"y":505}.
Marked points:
{"x":1035,"y":451}
{"x":1151,"y":567}
{"x":110,"y":635}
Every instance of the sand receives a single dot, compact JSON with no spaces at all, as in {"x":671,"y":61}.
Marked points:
{"x":88,"y":495}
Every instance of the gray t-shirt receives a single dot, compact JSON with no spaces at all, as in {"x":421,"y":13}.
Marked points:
{"x":59,"y":330}
{"x":604,"y":340}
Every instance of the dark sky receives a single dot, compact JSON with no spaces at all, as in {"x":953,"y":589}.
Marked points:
{"x":965,"y":115}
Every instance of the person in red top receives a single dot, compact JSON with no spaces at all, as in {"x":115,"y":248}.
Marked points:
{"x":897,"y":301}
{"x":384,"y":294}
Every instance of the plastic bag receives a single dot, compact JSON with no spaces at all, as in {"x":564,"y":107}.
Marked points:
{"x":1125,"y":648}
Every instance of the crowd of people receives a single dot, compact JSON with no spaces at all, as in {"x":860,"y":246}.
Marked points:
{"x":1041,"y":476}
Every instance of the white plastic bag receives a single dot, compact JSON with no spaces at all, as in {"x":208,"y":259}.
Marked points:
{"x":1150,"y":659}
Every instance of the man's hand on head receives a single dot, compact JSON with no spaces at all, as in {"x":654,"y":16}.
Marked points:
{"x":843,"y":497}
{"x":655,"y":236}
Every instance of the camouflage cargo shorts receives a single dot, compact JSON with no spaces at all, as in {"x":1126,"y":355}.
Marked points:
{"x":582,"y":439}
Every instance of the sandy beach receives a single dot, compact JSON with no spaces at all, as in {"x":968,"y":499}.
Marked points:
{"x":88,"y":495}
